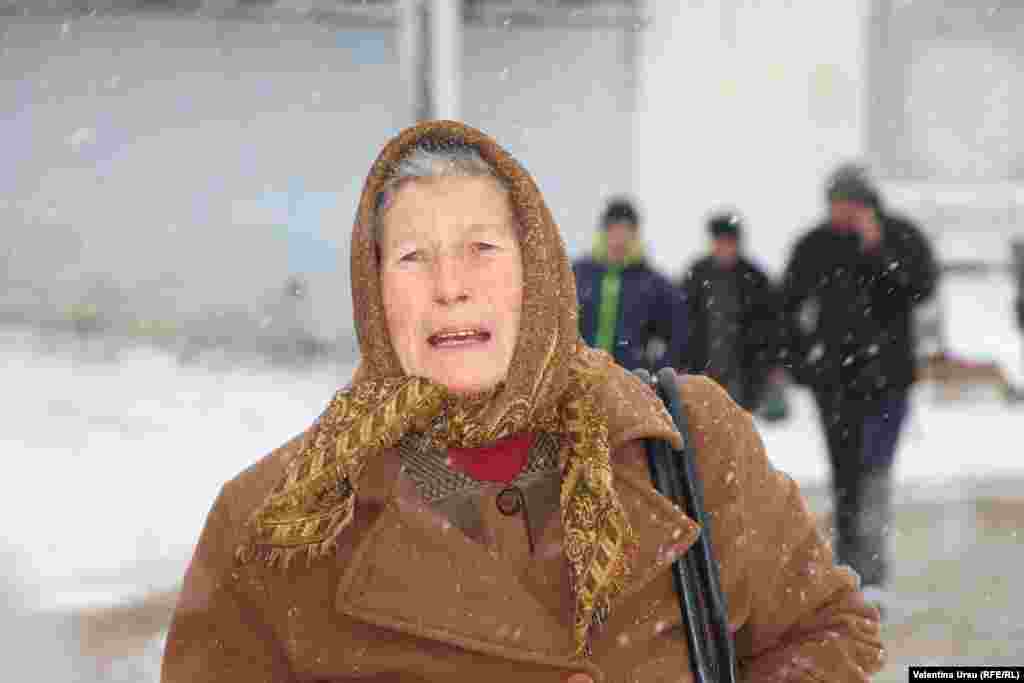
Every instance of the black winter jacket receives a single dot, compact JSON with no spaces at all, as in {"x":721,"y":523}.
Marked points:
{"x":849,"y":313}
{"x":758,"y":320}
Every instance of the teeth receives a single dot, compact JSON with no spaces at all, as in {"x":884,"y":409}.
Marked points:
{"x":454,"y":336}
{"x":458,"y":335}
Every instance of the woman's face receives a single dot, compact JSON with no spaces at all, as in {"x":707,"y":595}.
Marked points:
{"x":452,"y":281}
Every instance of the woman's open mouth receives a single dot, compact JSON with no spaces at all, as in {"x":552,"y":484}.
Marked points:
{"x":454,"y":338}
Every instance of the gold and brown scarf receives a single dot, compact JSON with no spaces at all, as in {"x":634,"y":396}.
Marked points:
{"x":555,"y":384}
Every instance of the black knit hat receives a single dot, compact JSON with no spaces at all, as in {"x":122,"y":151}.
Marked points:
{"x":725,"y":224}
{"x":850,"y":182}
{"x":620,"y":210}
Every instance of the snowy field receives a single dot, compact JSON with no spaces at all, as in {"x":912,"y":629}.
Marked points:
{"x":112,"y":463}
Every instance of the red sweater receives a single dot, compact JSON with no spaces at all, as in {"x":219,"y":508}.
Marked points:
{"x":500,"y":462}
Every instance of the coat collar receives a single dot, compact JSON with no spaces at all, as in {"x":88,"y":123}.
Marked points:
{"x":450,"y":596}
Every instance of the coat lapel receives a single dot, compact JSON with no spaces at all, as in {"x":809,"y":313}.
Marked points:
{"x":416,"y":573}
{"x":664,"y":531}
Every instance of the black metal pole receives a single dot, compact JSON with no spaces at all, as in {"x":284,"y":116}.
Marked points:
{"x":666,"y":481}
{"x":695,"y":575}
{"x":703,"y":553}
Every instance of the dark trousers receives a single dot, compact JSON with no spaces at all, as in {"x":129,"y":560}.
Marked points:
{"x":862,"y":438}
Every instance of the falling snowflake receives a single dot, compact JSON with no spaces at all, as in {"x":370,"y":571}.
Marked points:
{"x":81,"y":136}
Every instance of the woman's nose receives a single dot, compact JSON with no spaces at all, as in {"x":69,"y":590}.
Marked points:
{"x":450,"y":284}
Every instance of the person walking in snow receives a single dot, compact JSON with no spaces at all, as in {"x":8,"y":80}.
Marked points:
{"x":627,"y":308}
{"x":849,"y":292}
{"x":733,"y":314}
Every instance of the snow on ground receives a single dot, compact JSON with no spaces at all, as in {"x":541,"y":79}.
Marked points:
{"x":111,"y":467}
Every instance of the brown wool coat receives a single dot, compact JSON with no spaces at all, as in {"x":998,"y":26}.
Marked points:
{"x":409,"y":597}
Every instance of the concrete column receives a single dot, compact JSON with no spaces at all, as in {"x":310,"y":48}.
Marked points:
{"x":445,"y":58}
{"x":412,"y":44}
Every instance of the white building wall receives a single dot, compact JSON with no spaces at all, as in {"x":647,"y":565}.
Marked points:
{"x":561,"y":101}
{"x":745,"y":103}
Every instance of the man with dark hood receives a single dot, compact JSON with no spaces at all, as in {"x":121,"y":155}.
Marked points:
{"x":733,"y":314}
{"x":626,"y":307}
{"x":850,"y":289}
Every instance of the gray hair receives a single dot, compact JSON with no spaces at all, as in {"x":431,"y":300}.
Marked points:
{"x":431,"y":159}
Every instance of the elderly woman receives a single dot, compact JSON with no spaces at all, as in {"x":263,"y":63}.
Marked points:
{"x":476,"y":505}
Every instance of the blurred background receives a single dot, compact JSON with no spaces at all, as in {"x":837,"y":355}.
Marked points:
{"x":178,"y":179}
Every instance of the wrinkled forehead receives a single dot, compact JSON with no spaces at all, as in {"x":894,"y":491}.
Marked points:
{"x":446,"y":206}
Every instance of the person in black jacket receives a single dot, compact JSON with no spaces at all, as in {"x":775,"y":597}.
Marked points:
{"x":625,"y":306}
{"x":849,"y":291}
{"x":733,"y":315}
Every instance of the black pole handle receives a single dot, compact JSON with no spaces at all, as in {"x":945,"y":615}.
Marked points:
{"x":695,"y":575}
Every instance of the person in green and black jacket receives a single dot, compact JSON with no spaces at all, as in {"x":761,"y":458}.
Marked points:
{"x":626,"y":307}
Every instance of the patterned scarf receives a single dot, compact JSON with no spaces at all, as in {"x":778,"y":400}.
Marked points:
{"x":555,"y":384}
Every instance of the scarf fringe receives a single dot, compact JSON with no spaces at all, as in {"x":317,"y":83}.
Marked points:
{"x":281,"y":557}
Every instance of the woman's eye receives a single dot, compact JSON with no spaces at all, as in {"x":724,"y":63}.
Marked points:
{"x":485,"y":246}
{"x":411,"y":257}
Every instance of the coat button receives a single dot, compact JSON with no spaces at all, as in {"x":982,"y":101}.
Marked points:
{"x":510,"y":500}
{"x":580,"y":678}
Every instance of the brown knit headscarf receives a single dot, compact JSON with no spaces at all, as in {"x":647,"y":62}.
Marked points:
{"x":555,"y":384}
